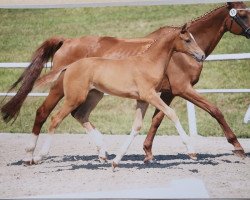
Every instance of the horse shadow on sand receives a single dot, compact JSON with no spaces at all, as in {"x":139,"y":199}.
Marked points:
{"x":133,"y":161}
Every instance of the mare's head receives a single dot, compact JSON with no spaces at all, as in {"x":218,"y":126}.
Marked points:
{"x":186,"y":43}
{"x":239,"y":19}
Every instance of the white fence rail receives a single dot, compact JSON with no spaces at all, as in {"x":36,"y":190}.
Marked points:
{"x":17,"y":4}
{"x":218,"y":57}
{"x":190,"y":107}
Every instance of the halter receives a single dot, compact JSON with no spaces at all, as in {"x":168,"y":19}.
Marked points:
{"x":235,"y":17}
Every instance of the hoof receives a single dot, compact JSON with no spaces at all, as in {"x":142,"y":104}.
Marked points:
{"x":102,"y":155}
{"x":114,"y":165}
{"x":193,"y":156}
{"x":37,"y":159}
{"x":149,"y":160}
{"x":240,"y":153}
{"x":103,"y":159}
{"x":28,"y":162}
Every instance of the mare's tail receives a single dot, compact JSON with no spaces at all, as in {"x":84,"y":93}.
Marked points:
{"x":41,"y":56}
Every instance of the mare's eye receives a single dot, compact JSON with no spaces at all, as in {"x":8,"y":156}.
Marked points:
{"x":244,"y":18}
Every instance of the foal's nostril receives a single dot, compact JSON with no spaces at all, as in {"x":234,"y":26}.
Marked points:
{"x":200,"y":56}
{"x":203,"y":57}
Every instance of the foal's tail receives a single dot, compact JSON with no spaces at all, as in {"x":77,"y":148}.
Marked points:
{"x":41,"y":56}
{"x":49,"y":77}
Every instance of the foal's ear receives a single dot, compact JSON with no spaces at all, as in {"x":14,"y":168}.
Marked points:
{"x":184,"y":28}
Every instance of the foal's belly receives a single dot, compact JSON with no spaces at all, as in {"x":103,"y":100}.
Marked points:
{"x":124,"y":92}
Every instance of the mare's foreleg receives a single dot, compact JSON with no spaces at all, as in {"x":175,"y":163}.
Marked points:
{"x":194,"y":97}
{"x":156,"y":101}
{"x":81,"y":114}
{"x":55,"y":95}
{"x":141,"y":109}
{"x":158,"y":116}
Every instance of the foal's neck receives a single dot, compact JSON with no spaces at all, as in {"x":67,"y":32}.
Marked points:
{"x":161,"y":51}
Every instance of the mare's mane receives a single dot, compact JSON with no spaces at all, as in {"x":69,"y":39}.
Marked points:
{"x":192,"y":21}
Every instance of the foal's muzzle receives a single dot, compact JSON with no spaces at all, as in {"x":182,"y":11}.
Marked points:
{"x":200,"y":57}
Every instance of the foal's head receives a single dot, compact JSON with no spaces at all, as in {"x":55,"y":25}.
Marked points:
{"x":186,"y":43}
{"x":238,"y":21}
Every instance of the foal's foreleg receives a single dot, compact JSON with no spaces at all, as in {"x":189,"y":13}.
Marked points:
{"x":141,"y":108}
{"x":158,"y":116}
{"x":194,"y":97}
{"x":55,"y":95}
{"x":156,"y":101}
{"x":81,"y":114}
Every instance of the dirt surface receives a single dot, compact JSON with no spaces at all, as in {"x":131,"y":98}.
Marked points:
{"x":73,"y":167}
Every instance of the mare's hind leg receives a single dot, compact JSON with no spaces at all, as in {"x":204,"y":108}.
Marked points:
{"x":82,"y":112}
{"x":55,"y":95}
{"x":141,"y":109}
{"x":67,"y":108}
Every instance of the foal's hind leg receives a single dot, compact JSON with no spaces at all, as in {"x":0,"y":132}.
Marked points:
{"x":55,"y":95}
{"x":82,"y":112}
{"x":66,"y":109}
{"x":156,"y":101}
{"x":141,"y":109}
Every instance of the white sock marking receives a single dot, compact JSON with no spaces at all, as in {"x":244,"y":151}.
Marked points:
{"x":184,"y":137}
{"x":30,"y":147}
{"x":125,"y":146}
{"x":97,"y":137}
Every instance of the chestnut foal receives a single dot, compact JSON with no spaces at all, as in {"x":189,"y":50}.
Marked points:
{"x":137,"y":77}
{"x":207,"y":30}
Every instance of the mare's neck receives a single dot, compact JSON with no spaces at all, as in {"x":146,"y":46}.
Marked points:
{"x":209,"y":29}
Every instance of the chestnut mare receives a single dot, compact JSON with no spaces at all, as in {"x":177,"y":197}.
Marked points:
{"x":136,"y":77}
{"x":183,"y":72}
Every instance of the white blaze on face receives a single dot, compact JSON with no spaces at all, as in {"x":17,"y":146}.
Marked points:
{"x":192,"y":38}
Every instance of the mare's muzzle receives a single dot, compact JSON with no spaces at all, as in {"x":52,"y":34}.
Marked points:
{"x":247,"y":33}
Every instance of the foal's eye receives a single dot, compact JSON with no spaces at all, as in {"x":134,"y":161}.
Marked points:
{"x":188,"y":41}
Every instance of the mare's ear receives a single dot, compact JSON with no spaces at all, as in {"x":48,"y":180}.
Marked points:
{"x":184,"y":28}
